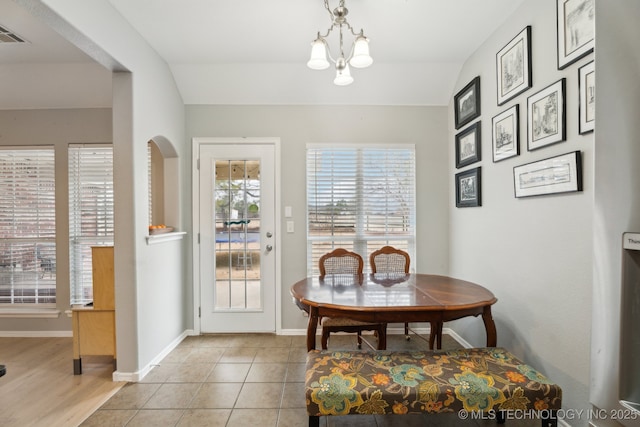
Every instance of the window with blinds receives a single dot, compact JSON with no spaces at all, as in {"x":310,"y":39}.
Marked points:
{"x":90,"y":212}
{"x":27,"y":227}
{"x":360,"y":199}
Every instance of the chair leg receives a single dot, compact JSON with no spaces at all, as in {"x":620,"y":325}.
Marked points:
{"x":433,"y":334}
{"x":406,"y":332}
{"x":359,"y":339}
{"x":435,"y":337}
{"x":382,"y":337}
{"x":325,"y":339}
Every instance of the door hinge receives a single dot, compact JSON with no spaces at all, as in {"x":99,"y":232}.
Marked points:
{"x":198,"y":238}
{"x":199,"y":311}
{"x":198,"y":165}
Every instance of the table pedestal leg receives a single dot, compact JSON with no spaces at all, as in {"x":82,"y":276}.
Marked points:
{"x":311,"y":328}
{"x":490,"y":326}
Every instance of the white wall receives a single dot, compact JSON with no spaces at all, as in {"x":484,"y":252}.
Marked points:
{"x":617,"y":201}
{"x":535,"y":254}
{"x":298,"y":125}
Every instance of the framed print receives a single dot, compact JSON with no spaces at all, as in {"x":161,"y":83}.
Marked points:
{"x":468,"y":146}
{"x":587,"y":97}
{"x":560,"y":174}
{"x":513,"y":66}
{"x":576,"y":30}
{"x":546,"y":117}
{"x":468,"y":188}
{"x":506,"y":134}
{"x":467,"y":103}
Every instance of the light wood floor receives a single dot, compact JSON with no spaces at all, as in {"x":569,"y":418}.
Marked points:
{"x":39,"y":388}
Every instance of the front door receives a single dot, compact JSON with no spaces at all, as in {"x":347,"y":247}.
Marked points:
{"x":237,"y":249}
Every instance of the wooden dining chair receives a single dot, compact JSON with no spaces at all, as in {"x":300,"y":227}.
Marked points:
{"x":338,"y":262}
{"x":392,"y":260}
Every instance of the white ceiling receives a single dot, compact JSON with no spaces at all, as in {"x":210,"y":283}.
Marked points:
{"x":254,"y":51}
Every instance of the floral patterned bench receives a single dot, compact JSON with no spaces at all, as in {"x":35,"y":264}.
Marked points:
{"x":482,"y":382}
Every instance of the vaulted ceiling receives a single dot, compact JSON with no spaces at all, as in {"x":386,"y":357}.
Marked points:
{"x":255,"y":51}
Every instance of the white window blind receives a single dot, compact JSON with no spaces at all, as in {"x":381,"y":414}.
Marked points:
{"x":90,"y":212}
{"x":27,"y":226}
{"x":360,"y":199}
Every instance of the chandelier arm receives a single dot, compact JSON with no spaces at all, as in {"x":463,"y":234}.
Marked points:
{"x":324,"y":36}
{"x":329,"y":53}
{"x":353,"y":48}
{"x":361,"y":33}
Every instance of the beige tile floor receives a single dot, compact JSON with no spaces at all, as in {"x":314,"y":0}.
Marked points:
{"x":246,"y":380}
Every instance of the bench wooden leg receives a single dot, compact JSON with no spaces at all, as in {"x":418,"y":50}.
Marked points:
{"x":314,"y":421}
{"x":500,"y":417}
{"x":552,"y":421}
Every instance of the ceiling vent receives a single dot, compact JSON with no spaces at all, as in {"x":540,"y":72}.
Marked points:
{"x":7,"y":36}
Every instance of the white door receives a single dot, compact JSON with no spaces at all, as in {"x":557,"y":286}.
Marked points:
{"x":237,"y":244}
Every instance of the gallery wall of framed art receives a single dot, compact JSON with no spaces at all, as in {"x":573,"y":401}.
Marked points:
{"x":538,"y":103}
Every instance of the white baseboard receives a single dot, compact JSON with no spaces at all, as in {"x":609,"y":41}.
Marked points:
{"x":140,"y":374}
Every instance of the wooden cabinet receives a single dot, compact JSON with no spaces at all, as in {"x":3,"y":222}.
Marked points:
{"x":103,"y":280}
{"x":94,"y":328}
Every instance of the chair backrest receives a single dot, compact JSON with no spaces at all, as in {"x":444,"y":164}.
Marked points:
{"x":341,"y":261}
{"x":389,"y":260}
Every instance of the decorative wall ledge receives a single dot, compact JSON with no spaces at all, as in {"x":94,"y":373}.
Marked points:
{"x":155,"y":239}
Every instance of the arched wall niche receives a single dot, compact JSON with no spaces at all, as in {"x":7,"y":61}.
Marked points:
{"x":163,"y":183}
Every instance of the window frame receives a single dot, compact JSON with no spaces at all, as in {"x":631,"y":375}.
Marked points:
{"x":80,"y":242}
{"x":361,"y":241}
{"x":20,"y":231}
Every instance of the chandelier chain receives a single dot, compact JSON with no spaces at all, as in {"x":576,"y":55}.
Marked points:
{"x":326,"y":6}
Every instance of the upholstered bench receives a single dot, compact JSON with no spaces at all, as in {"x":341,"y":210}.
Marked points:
{"x":477,"y":382}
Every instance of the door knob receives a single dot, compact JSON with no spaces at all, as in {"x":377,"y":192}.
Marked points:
{"x":269,"y":234}
{"x":269,"y":248}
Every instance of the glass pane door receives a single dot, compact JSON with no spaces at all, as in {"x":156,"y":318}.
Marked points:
{"x":237,"y":222}
{"x":237,"y":251}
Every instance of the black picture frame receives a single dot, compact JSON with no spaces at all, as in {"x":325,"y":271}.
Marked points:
{"x":468,"y":145}
{"x":467,"y":103}
{"x":513,"y":67}
{"x":506,"y":134}
{"x":587,"y":98}
{"x":576,"y":30}
{"x":546,"y":116}
{"x":559,"y":174}
{"x":469,"y":188}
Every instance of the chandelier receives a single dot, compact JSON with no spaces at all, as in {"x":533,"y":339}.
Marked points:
{"x":321,"y":53}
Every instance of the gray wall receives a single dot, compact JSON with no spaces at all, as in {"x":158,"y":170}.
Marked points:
{"x":298,"y":125}
{"x":535,"y":253}
{"x":617,"y":179}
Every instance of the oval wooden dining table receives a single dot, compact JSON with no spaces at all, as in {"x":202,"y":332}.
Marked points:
{"x":391,"y":298}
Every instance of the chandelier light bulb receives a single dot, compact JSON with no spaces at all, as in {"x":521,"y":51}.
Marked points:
{"x":343,"y":76}
{"x":361,"y":57}
{"x":318,"y":60}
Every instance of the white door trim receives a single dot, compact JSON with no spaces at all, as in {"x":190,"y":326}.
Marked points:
{"x":195,"y":197}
